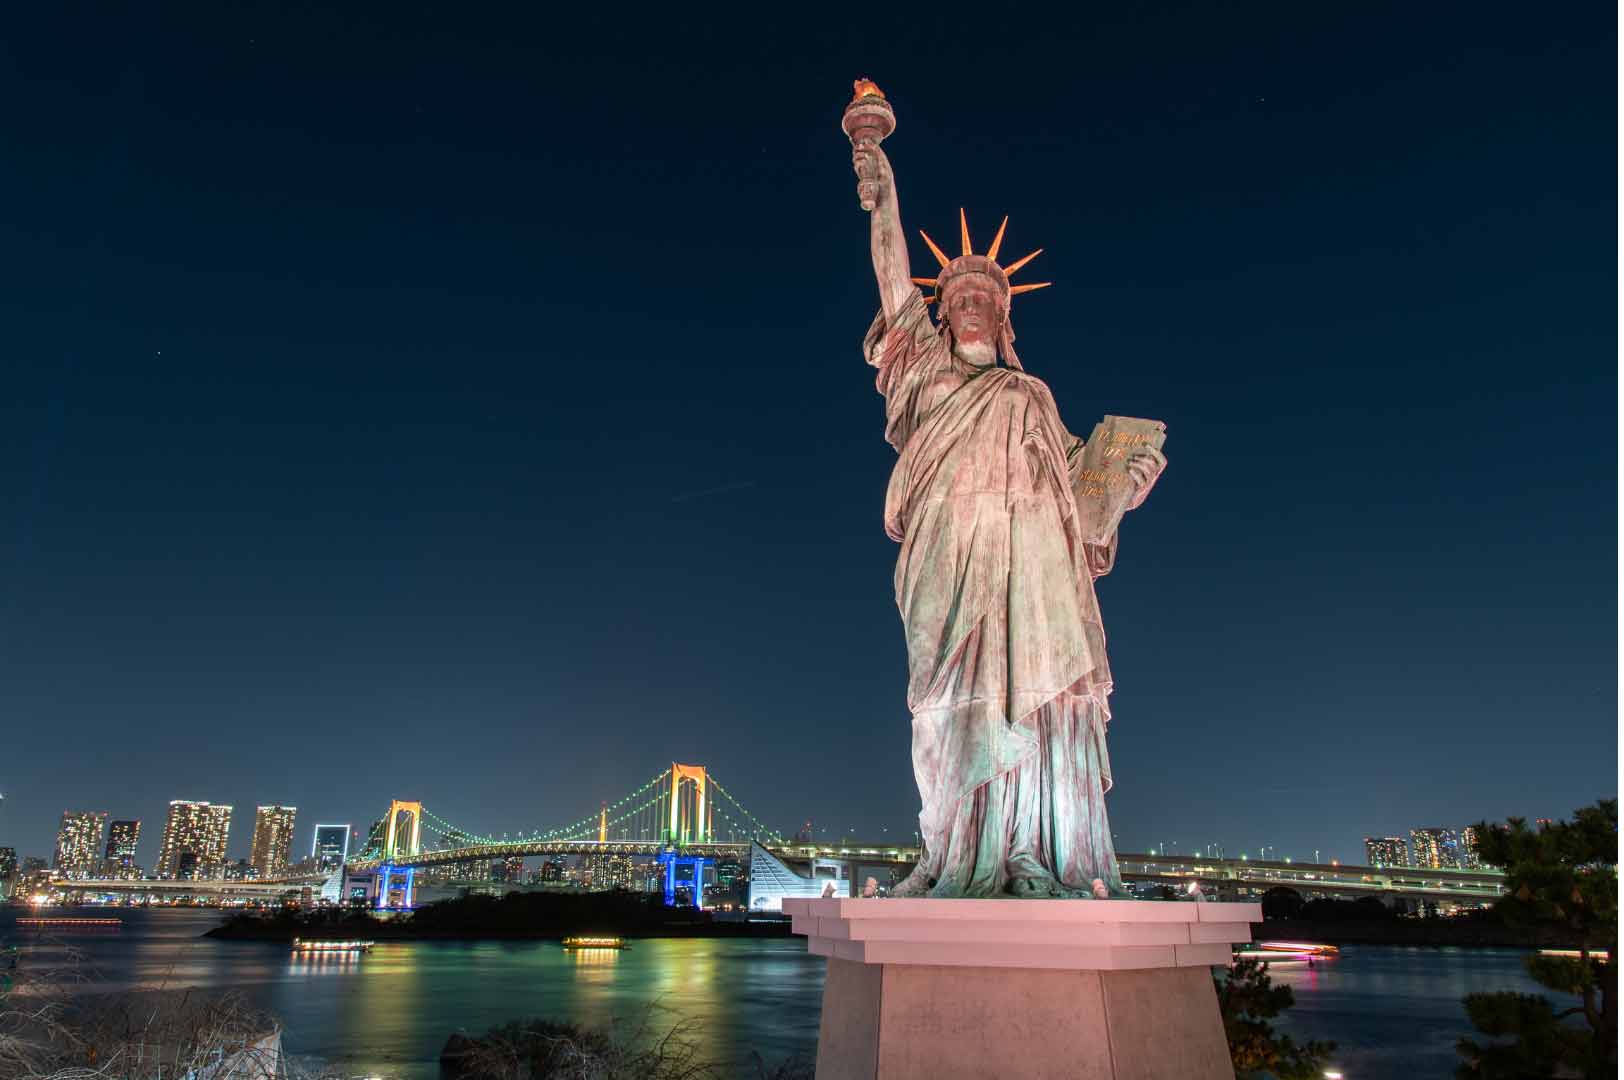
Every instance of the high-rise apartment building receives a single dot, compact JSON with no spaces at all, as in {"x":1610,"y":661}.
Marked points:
{"x":1469,"y":859}
{"x":8,"y":872}
{"x":194,"y":843}
{"x":1435,"y":849}
{"x":122,"y":839}
{"x":1386,"y":851}
{"x":331,"y":846}
{"x":510,"y":869}
{"x":79,"y":843}
{"x":273,"y":839}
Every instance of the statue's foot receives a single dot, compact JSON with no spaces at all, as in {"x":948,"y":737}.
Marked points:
{"x":917,"y":883}
{"x":1038,"y":888}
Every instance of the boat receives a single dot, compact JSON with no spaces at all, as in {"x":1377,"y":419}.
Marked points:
{"x":1299,"y":946}
{"x":1287,"y":952}
{"x":329,"y":945}
{"x":594,"y":943}
{"x":66,"y":921}
{"x":1599,"y":955}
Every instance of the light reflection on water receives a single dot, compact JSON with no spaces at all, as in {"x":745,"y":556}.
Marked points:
{"x":1395,"y":1012}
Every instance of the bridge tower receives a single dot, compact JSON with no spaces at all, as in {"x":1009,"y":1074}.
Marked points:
{"x":403,"y":834}
{"x":603,"y":823}
{"x":683,"y":829}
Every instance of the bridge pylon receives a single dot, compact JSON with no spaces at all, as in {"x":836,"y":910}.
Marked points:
{"x":682,"y":828}
{"x":403,"y":832}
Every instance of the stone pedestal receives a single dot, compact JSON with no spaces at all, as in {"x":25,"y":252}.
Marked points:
{"x":1087,"y":989}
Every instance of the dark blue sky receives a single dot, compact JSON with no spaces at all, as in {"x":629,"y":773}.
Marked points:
{"x":469,"y":406}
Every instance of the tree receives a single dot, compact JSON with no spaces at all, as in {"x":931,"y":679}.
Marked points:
{"x":1282,"y":902}
{"x":1563,"y":877}
{"x":1247,"y":1001}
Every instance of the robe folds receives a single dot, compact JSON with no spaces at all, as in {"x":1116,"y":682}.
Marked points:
{"x":1008,"y":680}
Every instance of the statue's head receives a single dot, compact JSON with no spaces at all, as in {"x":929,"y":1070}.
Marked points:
{"x":975,"y":309}
{"x":974,"y":294}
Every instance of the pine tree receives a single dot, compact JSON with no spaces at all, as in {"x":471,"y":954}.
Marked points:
{"x":1247,"y":1001}
{"x":1563,"y":876}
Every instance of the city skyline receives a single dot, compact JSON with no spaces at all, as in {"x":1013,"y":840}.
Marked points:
{"x":240,"y":847}
{"x":393,"y":420}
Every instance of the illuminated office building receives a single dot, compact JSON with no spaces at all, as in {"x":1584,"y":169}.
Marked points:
{"x":194,"y":842}
{"x":8,"y":872}
{"x":273,"y":839}
{"x":331,"y":846}
{"x":79,"y":843}
{"x":122,"y":839}
{"x":1386,"y":851}
{"x":1435,"y":849}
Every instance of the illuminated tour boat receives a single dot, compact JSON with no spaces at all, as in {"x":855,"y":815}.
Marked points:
{"x":594,"y":943}
{"x":89,"y":924}
{"x":324,"y":945}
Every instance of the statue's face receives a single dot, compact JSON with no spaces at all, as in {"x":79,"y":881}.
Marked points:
{"x":972,"y":311}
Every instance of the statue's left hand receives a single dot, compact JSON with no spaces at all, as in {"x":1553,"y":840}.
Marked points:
{"x":1144,"y":467}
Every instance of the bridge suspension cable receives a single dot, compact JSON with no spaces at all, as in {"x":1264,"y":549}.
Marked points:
{"x":760,"y":829}
{"x":585,"y":828}
{"x":645,"y":814}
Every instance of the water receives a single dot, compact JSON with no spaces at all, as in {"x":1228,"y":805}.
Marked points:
{"x":1395,"y":1012}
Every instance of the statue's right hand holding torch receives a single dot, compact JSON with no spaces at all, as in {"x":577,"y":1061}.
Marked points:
{"x":866,"y":122}
{"x":873,"y":170}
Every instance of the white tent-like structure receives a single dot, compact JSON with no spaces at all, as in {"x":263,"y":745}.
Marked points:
{"x":771,"y":881}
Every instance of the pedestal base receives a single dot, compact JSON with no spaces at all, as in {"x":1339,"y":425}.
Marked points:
{"x":1100,"y":990}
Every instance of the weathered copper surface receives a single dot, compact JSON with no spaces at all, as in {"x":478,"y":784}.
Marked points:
{"x":1008,"y":678}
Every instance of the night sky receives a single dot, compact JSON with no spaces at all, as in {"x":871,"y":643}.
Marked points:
{"x":469,"y":406}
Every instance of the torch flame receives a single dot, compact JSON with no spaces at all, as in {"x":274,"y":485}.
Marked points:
{"x":862,"y":88}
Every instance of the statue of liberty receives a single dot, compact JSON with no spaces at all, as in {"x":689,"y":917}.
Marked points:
{"x":1007,"y":675}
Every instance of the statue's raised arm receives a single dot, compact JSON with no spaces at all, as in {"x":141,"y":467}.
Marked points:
{"x":868,"y":120}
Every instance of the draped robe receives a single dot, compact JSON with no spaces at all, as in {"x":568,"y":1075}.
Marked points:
{"x":1008,"y":679}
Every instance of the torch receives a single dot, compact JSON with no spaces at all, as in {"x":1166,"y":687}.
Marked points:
{"x":867,"y":120}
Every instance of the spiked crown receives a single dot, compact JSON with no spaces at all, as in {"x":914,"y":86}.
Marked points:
{"x":968,"y":263}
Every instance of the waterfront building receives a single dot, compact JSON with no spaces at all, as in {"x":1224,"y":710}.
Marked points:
{"x":8,"y":872}
{"x":330,"y":846}
{"x":273,"y":840}
{"x":1386,"y":851}
{"x":771,"y":882}
{"x":194,"y":840}
{"x":122,"y":839}
{"x":79,"y":843}
{"x":1435,"y":849}
{"x":551,"y":872}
